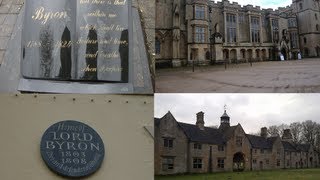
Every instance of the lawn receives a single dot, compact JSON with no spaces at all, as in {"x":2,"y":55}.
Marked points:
{"x":292,"y":174}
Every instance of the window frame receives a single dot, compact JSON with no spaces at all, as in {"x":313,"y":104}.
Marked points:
{"x":220,"y":148}
{"x":169,"y":166}
{"x":197,"y":163}
{"x":220,"y":163}
{"x":199,"y":36}
{"x":197,"y":146}
{"x":168,"y":143}
{"x":199,"y":12}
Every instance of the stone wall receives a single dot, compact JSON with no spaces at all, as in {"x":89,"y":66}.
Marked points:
{"x":168,"y":128}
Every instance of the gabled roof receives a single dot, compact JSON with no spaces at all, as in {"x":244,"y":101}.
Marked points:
{"x":229,"y":132}
{"x":295,"y":147}
{"x":303,"y":147}
{"x":261,"y":142}
{"x":208,"y":135}
{"x":288,"y":146}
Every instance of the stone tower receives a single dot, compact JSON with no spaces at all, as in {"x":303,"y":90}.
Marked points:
{"x":308,"y":17}
{"x":200,"y":121}
{"x":224,"y":121}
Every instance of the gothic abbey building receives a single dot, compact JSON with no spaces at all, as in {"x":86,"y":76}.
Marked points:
{"x":206,"y":32}
{"x":188,"y":148}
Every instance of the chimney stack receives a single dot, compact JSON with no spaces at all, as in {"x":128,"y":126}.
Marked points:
{"x":264,"y":132}
{"x":287,"y":136}
{"x":200,"y":121}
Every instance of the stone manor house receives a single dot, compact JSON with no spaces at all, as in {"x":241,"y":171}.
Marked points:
{"x":188,"y":148}
{"x":207,"y":32}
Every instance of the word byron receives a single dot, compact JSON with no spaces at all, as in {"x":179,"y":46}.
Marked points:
{"x":43,"y":16}
{"x":72,"y":148}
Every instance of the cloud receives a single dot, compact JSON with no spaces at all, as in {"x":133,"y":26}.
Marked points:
{"x":252,"y":111}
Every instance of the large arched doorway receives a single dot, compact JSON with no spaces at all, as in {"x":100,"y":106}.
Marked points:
{"x":243,"y":55}
{"x":226,"y":54}
{"x":264,"y":55}
{"x":233,"y":55}
{"x":249,"y":55}
{"x":258,"y":56}
{"x":238,"y":161}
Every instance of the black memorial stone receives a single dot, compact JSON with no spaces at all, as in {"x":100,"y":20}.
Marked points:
{"x":71,"y":148}
{"x":78,"y":40}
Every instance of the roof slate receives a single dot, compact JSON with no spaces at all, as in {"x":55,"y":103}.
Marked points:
{"x":217,"y":137}
{"x":208,"y":135}
{"x":260,"y":142}
{"x":288,"y":146}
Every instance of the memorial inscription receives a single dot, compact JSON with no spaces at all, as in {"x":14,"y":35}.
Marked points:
{"x":72,"y":149}
{"x":82,"y":40}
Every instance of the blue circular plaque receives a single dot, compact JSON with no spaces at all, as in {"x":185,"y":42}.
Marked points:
{"x":71,"y":148}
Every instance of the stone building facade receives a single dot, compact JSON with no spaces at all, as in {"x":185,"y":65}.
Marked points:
{"x":188,"y":148}
{"x":208,"y":32}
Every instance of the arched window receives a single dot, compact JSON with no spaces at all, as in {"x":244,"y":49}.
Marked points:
{"x":305,"y":40}
{"x":300,"y":6}
{"x":158,"y":46}
{"x":317,"y":27}
{"x":316,"y":16}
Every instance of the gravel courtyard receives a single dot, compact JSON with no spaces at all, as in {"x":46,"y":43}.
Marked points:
{"x":294,"y":76}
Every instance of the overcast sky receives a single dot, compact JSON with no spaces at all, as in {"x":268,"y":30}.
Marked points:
{"x":252,"y":111}
{"x":264,"y":3}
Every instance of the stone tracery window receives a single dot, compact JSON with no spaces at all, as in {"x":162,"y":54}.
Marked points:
{"x":199,"y":12}
{"x":292,"y":22}
{"x":200,"y":34}
{"x":231,"y":28}
{"x":255,"y":29}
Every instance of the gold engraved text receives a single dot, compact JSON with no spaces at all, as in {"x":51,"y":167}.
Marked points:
{"x":43,"y":16}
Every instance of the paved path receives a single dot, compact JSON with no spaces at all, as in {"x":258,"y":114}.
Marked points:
{"x":9,"y":10}
{"x":263,"y":77}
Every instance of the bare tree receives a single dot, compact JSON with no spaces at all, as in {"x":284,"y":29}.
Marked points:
{"x":281,"y":129}
{"x":309,"y":131}
{"x":273,"y":131}
{"x":317,"y":140}
{"x":296,"y":130}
